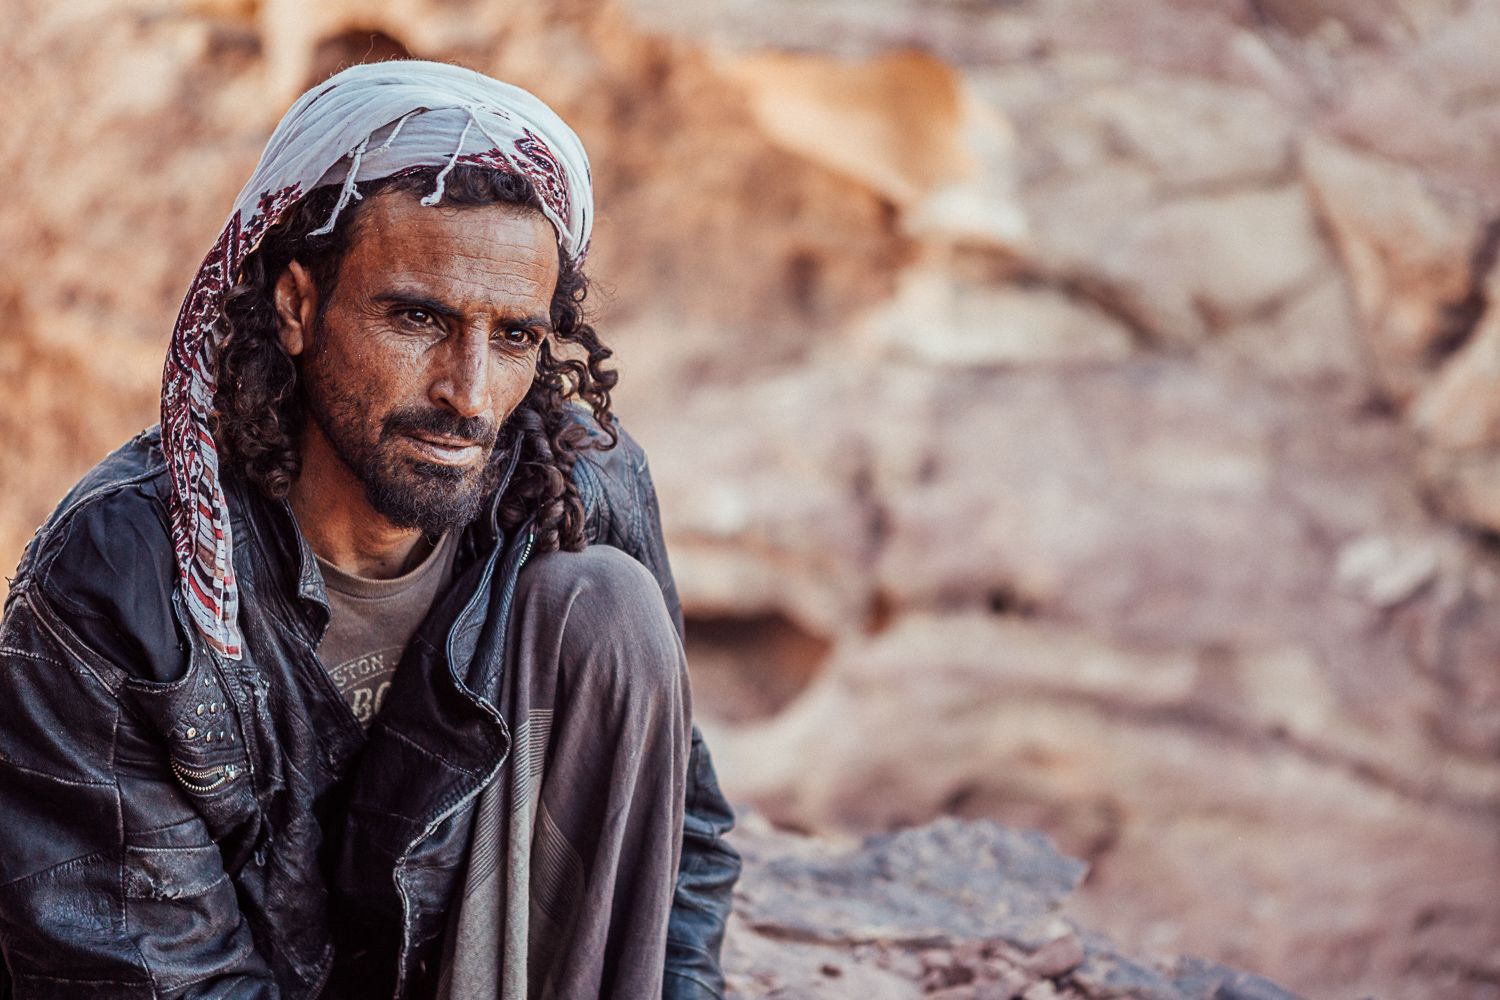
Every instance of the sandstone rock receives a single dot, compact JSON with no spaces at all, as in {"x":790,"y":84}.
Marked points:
{"x":911,"y":888}
{"x":1313,"y":339}
{"x":795,"y":537}
{"x":1074,"y":214}
{"x":942,"y":319}
{"x":1138,"y":771}
{"x":1188,"y":234}
{"x":903,"y":124}
{"x":1190,"y":134}
{"x":1436,"y":85}
{"x":1468,"y":483}
{"x":983,"y":208}
{"x":980,"y":493}
{"x":1385,"y":571}
{"x":894,"y":123}
{"x":1406,"y":252}
{"x":1178,"y":455}
{"x":1362,"y":20}
{"x":1458,"y":416}
{"x":50,"y":439}
{"x":1194,"y":266}
{"x":1460,"y":409}
{"x":1004,"y":488}
{"x":965,"y":911}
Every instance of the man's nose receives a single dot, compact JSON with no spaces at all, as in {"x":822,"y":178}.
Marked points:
{"x":463,"y":384}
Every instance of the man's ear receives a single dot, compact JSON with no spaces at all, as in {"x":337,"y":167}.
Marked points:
{"x":296,"y":300}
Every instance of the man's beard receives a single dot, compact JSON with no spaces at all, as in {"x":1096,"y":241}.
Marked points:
{"x":407,"y":492}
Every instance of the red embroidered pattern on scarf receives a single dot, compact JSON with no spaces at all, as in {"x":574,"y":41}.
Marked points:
{"x":537,"y":163}
{"x":546,"y":174}
{"x":196,"y":507}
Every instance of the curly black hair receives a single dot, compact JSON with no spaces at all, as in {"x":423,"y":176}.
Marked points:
{"x":259,"y":410}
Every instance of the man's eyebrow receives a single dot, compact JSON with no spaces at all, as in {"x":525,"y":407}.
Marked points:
{"x":538,"y":321}
{"x":415,"y":301}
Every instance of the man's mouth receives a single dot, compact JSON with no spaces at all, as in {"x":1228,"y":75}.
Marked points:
{"x":445,"y":450}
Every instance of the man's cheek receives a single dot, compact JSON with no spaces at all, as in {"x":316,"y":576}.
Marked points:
{"x":518,"y":381}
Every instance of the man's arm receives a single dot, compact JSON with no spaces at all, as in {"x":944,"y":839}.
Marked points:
{"x":705,"y":885}
{"x":110,"y":885}
{"x":625,"y":514}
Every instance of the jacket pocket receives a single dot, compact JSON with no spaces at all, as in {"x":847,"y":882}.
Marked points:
{"x":171,"y":873}
{"x":202,"y":727}
{"x":183,"y":915}
{"x":214,"y":782}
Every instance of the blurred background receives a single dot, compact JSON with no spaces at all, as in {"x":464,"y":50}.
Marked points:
{"x":1080,"y":414}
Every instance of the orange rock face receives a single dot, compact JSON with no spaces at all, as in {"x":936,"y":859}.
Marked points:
{"x":1077,"y":415}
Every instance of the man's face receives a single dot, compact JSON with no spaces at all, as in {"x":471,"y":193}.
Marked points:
{"x":428,"y":341}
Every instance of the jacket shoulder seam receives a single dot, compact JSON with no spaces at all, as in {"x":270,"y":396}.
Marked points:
{"x":27,"y":654}
{"x":54,"y":534}
{"x":64,"y":638}
{"x":107,"y":489}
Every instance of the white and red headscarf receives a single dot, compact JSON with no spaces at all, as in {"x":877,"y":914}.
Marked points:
{"x":368,"y":122}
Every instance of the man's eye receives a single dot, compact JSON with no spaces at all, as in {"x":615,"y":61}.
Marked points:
{"x":418,"y":317}
{"x":518,"y":337}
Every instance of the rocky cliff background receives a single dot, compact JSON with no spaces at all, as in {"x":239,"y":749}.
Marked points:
{"x":1081,"y":415}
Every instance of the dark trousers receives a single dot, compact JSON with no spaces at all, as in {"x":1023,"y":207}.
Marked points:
{"x":574,"y":848}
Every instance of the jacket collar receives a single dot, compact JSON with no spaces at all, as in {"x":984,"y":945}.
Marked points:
{"x":273,"y":531}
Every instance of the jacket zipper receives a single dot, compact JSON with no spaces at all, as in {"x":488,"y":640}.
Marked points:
{"x":201,"y":780}
{"x":441,"y":817}
{"x":323,"y":977}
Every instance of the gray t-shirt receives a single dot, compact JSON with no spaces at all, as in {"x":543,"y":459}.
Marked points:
{"x":373,"y":620}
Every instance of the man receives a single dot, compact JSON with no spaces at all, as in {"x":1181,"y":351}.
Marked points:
{"x":362,"y":676}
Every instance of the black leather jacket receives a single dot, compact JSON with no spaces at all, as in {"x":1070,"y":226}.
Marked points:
{"x":174,"y":824}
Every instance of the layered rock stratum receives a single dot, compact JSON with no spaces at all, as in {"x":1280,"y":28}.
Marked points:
{"x":1081,"y":416}
{"x":955,"y":910}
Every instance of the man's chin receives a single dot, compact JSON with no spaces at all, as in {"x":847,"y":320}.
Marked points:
{"x":429,"y":496}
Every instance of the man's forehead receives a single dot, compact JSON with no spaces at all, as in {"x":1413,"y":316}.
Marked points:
{"x":405,"y":250}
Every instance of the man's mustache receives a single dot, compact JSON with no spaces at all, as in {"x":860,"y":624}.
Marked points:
{"x":441,"y":423}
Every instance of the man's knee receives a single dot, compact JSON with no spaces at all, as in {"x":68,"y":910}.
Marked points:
{"x":612,"y":623}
